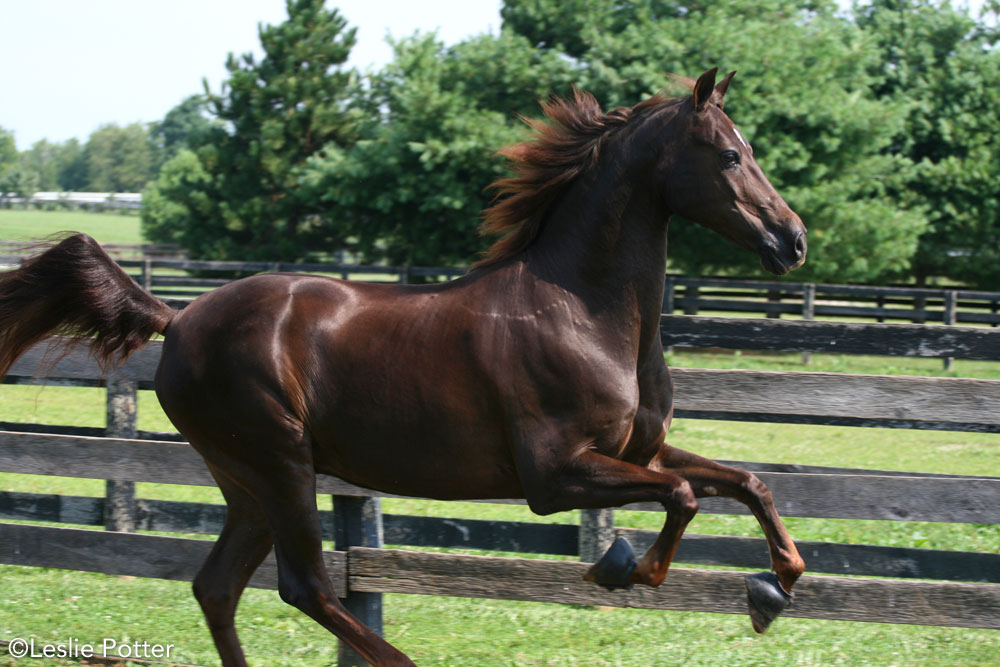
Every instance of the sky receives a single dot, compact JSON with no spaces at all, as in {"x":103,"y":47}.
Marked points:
{"x":67,"y":67}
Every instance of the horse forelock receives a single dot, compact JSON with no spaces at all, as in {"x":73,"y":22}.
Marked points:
{"x":563,"y":146}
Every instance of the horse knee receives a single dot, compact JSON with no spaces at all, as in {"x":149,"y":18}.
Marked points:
{"x":755,"y":488}
{"x":683,"y":501}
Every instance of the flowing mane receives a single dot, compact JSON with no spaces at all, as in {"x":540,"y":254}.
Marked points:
{"x":544,"y":166}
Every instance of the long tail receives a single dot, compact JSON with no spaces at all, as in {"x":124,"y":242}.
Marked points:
{"x":75,"y":289}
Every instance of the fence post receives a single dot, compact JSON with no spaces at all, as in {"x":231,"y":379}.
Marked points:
{"x":147,"y":274}
{"x":950,"y":306}
{"x":597,"y":532}
{"x":358,"y":523}
{"x":404,"y":274}
{"x":119,"y":495}
{"x":808,"y":313}
{"x":774,"y":296}
{"x":920,"y":310}
{"x":691,"y":300}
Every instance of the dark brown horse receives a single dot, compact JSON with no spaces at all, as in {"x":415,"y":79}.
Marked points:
{"x":538,"y":375}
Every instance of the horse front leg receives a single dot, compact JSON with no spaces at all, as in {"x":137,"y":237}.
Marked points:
{"x":593,"y":481}
{"x":768,"y":594}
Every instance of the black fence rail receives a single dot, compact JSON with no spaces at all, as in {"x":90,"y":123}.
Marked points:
{"x":163,"y":270}
{"x":773,"y":299}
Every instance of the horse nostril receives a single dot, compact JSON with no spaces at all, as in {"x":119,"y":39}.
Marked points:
{"x":800,"y":245}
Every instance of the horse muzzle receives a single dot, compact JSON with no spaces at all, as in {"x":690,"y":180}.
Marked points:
{"x":781,"y":256}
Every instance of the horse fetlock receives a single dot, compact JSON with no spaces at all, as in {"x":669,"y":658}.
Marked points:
{"x":789,"y":570}
{"x":649,"y":572}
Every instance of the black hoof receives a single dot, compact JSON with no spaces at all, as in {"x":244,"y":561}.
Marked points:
{"x":766,"y":599}
{"x":615,"y":567}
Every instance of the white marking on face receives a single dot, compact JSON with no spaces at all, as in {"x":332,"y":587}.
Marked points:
{"x":740,"y":137}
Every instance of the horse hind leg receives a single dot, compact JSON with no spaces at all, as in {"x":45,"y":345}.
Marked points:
{"x":254,"y":442}
{"x":244,"y":542}
{"x":273,"y":464}
{"x":303,"y":581}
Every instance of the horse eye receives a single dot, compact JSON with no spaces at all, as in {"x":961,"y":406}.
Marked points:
{"x":730,"y":158}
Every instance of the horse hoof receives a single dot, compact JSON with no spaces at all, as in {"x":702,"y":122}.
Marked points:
{"x":615,"y":568}
{"x":766,"y":599}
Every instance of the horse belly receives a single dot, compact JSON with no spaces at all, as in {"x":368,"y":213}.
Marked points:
{"x":443,"y":460}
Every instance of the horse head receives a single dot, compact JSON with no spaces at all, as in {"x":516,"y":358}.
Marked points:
{"x":713,"y":179}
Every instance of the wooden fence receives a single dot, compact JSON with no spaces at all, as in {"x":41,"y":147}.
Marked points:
{"x":683,"y":294}
{"x":162,"y":270}
{"x":955,"y":588}
{"x":12,"y":252}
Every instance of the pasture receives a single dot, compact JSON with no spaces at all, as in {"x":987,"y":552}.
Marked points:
{"x":25,"y":225}
{"x":53,"y":605}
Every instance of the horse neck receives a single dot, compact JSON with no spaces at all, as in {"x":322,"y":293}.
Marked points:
{"x":605,"y":241}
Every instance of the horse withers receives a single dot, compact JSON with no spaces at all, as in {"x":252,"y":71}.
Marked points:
{"x":537,"y":375}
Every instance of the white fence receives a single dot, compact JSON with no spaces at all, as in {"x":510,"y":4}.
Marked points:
{"x":115,"y":200}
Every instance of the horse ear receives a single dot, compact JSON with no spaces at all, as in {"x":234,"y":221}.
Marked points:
{"x":703,"y":88}
{"x":723,"y":86}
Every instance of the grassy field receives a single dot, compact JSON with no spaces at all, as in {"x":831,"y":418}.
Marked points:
{"x":21,"y":225}
{"x":56,"y":605}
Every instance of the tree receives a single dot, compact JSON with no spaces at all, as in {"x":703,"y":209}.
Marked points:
{"x":412,"y":190}
{"x":235,"y":194}
{"x":118,"y":159}
{"x":185,"y":125}
{"x":41,"y":160}
{"x":15,"y":179}
{"x":801,"y":97}
{"x":939,"y":62}
{"x":9,"y":158}
{"x":71,"y":166}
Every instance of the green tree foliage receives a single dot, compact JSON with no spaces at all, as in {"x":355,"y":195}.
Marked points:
{"x":15,"y":179}
{"x":41,"y":159}
{"x":412,"y":189}
{"x":119,"y":159}
{"x":802,"y":98}
{"x":234,"y":193}
{"x":185,"y":125}
{"x":17,"y":182}
{"x":71,"y":166}
{"x":9,"y":157}
{"x":939,"y":63}
{"x":879,"y":127}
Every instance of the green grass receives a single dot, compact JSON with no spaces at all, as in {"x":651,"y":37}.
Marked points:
{"x":465,"y":632}
{"x":22,"y":225}
{"x":53,"y":605}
